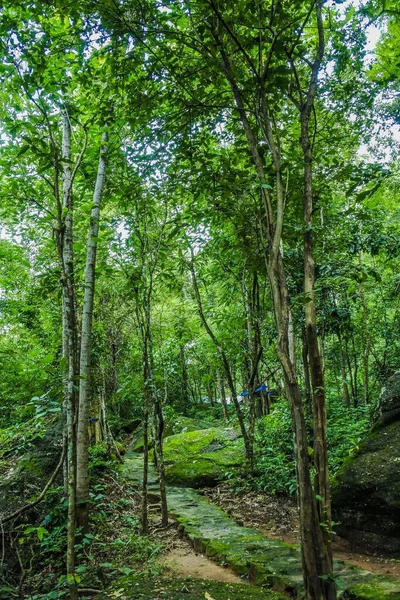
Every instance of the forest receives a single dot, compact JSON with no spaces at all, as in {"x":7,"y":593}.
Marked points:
{"x":199,"y":299}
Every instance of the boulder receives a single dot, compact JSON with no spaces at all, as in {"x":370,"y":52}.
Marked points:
{"x":389,"y":402}
{"x":202,"y":458}
{"x":174,"y":424}
{"x":366,"y":492}
{"x":24,"y":475}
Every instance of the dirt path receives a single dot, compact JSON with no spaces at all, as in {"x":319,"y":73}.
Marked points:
{"x":185,"y":562}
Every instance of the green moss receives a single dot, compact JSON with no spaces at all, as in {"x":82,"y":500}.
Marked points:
{"x":202,"y":457}
{"x":174,"y":425}
{"x":372,"y":591}
{"x":178,"y":424}
{"x":187,"y":589}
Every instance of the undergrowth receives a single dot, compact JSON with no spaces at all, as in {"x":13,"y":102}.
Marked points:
{"x":275,"y":470}
{"x":113,"y":548}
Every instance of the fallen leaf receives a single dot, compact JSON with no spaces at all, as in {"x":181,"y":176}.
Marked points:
{"x":208,"y":597}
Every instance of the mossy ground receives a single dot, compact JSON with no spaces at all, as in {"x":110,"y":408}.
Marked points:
{"x":198,"y":458}
{"x":131,"y":588}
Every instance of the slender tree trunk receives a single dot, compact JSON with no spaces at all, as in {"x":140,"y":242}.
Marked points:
{"x":145,"y":516}
{"x":158,"y":416}
{"x":65,"y":244}
{"x":366,"y":337}
{"x":185,"y":392}
{"x":222,"y":395}
{"x":227,"y":369}
{"x":321,"y":483}
{"x":343,"y":372}
{"x":306,"y":369}
{"x":350,"y":369}
{"x":65,"y":397}
{"x":315,"y":554}
{"x":82,"y":487}
{"x":210,"y":391}
{"x":355,"y":402}
{"x":292,"y":341}
{"x":321,"y":480}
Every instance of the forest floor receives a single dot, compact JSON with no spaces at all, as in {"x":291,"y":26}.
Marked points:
{"x":277,"y":517}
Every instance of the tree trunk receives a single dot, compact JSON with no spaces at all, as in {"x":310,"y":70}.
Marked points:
{"x":355,"y":400}
{"x":185,"y":392}
{"x":314,"y":556}
{"x":348,"y":361}
{"x":82,"y":483}
{"x":157,"y":414}
{"x":222,"y":395}
{"x":306,"y":370}
{"x":65,"y":244}
{"x":343,"y":372}
{"x":227,"y":369}
{"x":145,"y":516}
{"x":321,"y":483}
{"x":317,"y":569}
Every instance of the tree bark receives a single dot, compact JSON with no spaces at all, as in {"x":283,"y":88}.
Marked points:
{"x":306,"y":370}
{"x":321,"y":480}
{"x":82,"y":485}
{"x":222,"y":395}
{"x":65,"y":243}
{"x":343,"y":372}
{"x":157,"y":414}
{"x":185,"y":391}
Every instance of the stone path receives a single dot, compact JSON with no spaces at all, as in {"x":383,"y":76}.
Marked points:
{"x":248,"y":552}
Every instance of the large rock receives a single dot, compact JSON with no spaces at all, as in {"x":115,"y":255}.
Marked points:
{"x":25,"y":473}
{"x":366,"y":493}
{"x":201,"y":458}
{"x":389,"y":403}
{"x":173,"y":425}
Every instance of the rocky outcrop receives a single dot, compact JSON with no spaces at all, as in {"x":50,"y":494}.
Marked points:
{"x":201,"y":458}
{"x":174,"y":424}
{"x":366,"y":493}
{"x":389,"y":403}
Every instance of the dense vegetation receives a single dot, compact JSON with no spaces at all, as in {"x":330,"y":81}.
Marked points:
{"x":198,"y":200}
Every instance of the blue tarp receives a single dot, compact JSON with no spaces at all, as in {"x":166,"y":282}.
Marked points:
{"x":261,"y":388}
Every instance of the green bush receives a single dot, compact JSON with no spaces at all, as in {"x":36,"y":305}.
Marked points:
{"x":276,"y":469}
{"x":275,"y":464}
{"x":346,"y":429}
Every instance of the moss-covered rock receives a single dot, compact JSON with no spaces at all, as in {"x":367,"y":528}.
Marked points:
{"x":180,"y":424}
{"x":369,"y":483}
{"x":132,"y":588}
{"x":27,"y":468}
{"x":173,"y":425}
{"x":198,"y":458}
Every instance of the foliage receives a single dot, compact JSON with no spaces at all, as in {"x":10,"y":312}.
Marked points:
{"x":276,"y":466}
